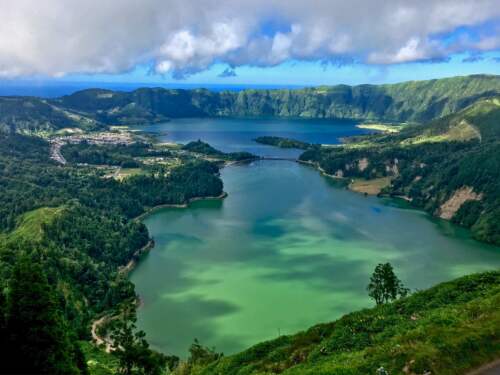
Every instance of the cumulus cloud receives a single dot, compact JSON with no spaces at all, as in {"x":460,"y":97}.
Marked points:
{"x":57,"y":37}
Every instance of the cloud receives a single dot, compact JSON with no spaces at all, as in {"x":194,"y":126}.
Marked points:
{"x":228,"y":72}
{"x":473,"y":59}
{"x":58,"y":37}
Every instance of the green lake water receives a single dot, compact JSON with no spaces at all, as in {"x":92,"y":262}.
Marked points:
{"x":288,"y":248}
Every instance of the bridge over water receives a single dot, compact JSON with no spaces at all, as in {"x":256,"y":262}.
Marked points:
{"x":277,"y":158}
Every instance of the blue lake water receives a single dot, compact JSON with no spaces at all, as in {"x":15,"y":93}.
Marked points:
{"x":238,"y":134}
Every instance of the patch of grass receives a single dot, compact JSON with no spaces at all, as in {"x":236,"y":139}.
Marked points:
{"x":384,"y":128}
{"x":98,"y":361}
{"x":30,"y":225}
{"x":461,"y":132}
{"x":371,"y":187}
{"x":68,"y":131}
{"x":128,"y":172}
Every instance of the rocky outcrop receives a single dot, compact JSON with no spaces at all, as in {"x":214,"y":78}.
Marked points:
{"x":453,"y":204}
{"x":363,"y":164}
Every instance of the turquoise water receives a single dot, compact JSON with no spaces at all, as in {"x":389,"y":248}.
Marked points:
{"x":286,"y":249}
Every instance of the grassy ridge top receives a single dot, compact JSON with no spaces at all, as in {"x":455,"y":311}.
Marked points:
{"x":447,"y":329}
{"x":30,"y":225}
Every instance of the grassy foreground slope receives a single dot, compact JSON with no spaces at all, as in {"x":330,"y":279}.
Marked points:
{"x":448,"y":329}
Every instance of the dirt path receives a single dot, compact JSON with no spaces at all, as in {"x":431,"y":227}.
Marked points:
{"x":55,"y":152}
{"x":492,"y":368}
{"x":95,"y":336}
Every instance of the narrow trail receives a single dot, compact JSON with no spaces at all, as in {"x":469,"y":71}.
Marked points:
{"x":95,"y":336}
{"x":100,"y":340}
{"x":492,"y":368}
{"x":55,"y":152}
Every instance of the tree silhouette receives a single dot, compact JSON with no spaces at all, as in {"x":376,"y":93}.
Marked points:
{"x":385,"y":286}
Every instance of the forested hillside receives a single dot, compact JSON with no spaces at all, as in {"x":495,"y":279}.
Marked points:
{"x":35,"y":115}
{"x":418,"y":101}
{"x":73,"y":229}
{"x":410,"y":101}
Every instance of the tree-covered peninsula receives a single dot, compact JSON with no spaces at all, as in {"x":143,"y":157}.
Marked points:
{"x":282,"y":142}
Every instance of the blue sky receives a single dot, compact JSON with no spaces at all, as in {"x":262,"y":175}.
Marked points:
{"x":310,"y":73}
{"x":254,"y":42}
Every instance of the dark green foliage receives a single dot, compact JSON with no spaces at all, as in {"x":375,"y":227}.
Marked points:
{"x":39,"y":340}
{"x":202,"y":355}
{"x":203,"y":148}
{"x":385,"y":286}
{"x":448,"y":329}
{"x":28,"y":114}
{"x":468,"y":214}
{"x":133,"y":352}
{"x":120,"y":155}
{"x":282,"y":142}
{"x":3,"y":320}
{"x":80,"y":225}
{"x":30,"y":180}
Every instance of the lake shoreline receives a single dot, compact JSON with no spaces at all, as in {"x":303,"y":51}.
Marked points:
{"x":151,"y":210}
{"x":132,"y":264}
{"x":349,"y":183}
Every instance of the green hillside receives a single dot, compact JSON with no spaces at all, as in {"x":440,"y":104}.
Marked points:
{"x":30,"y":226}
{"x":447,"y":329}
{"x":417,"y":101}
{"x":35,"y":115}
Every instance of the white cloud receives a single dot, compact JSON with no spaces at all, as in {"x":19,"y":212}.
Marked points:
{"x":413,"y":50}
{"x":54,"y":37}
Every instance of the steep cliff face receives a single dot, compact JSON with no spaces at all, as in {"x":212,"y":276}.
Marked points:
{"x":408,"y":101}
{"x":403,"y":102}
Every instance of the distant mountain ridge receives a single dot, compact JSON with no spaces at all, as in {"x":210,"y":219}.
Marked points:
{"x":414,"y":101}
